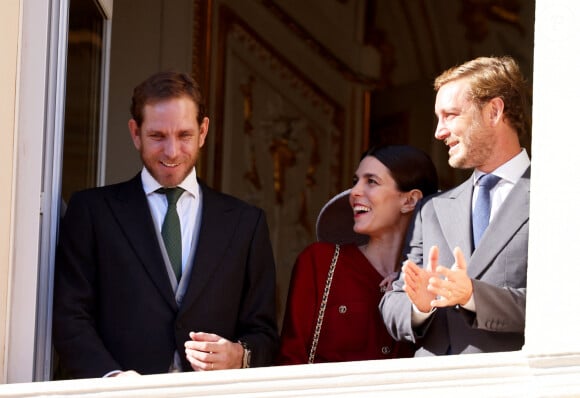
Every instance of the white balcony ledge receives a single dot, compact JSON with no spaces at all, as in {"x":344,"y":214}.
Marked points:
{"x":512,"y":374}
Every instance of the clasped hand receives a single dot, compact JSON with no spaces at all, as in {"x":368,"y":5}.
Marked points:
{"x":208,"y":351}
{"x":437,"y":285}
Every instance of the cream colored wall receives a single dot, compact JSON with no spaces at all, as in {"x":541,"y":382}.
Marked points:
{"x":9,"y":20}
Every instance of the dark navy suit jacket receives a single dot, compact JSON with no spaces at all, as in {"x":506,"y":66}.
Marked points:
{"x":114,"y":306}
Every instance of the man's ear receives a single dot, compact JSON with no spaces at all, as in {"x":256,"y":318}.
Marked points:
{"x":411,"y":199}
{"x":135,"y":133}
{"x":495,"y":110}
{"x":203,"y":130}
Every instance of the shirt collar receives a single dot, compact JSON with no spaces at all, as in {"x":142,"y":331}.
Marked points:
{"x":511,"y":170}
{"x":189,"y":184}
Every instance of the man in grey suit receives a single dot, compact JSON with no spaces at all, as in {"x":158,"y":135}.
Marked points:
{"x":461,"y":292}
{"x":147,"y":282}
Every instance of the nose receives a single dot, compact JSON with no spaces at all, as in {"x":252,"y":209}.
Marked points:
{"x":352,"y":197}
{"x":356,"y":189}
{"x":441,"y":132}
{"x":170,"y":148}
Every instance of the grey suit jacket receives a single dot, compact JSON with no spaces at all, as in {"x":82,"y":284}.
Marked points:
{"x":498,"y":269}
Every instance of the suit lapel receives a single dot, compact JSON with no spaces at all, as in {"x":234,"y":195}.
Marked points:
{"x":215,"y":233}
{"x":131,"y":209}
{"x":511,"y":216}
{"x":454,"y":211}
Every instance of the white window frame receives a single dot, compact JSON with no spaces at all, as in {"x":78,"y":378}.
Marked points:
{"x":40,"y":126}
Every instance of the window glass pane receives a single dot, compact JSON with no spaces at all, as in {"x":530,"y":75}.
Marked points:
{"x":83,"y":97}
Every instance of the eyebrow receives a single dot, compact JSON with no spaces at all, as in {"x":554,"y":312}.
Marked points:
{"x":454,"y":108}
{"x":371,"y":175}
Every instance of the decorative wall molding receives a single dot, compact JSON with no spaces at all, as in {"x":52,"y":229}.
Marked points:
{"x":201,"y":51}
{"x":232,"y":26}
{"x":283,"y":68}
{"x":319,"y":48}
{"x":277,"y":137}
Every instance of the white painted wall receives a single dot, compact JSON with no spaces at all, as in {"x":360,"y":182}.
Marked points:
{"x":553,"y":318}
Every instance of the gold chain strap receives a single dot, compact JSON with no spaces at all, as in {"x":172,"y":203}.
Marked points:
{"x":323,"y":305}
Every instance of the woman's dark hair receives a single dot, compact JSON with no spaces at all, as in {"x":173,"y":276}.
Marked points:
{"x":410,"y":167}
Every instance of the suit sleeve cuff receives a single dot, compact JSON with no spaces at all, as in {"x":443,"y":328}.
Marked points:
{"x":418,"y":317}
{"x":113,"y":373}
{"x":470,"y":305}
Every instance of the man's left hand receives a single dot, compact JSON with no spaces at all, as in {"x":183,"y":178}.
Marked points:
{"x":453,"y":287}
{"x":208,"y":351}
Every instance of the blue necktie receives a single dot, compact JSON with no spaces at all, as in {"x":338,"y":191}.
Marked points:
{"x":480,"y":216}
{"x":171,"y":229}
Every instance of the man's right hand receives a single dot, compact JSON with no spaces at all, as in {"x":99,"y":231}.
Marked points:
{"x":417,"y":279}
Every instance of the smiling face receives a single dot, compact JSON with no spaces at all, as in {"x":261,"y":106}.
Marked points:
{"x":462,"y":127}
{"x":169,"y":139}
{"x":375,"y":199}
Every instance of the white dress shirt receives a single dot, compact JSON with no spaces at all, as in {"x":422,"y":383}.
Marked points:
{"x":188,"y":209}
{"x":510,"y":173}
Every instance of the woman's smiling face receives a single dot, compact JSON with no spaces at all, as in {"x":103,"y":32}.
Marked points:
{"x":375,"y":198}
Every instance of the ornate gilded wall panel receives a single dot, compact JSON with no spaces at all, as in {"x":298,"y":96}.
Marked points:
{"x":278,"y":139}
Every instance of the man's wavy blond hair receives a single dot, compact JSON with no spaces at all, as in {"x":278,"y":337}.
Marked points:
{"x":492,"y":77}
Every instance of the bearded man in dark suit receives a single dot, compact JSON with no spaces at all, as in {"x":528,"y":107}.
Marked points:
{"x":125,"y":301}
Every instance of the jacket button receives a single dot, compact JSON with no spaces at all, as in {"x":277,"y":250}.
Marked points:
{"x":386,"y":350}
{"x":342,"y":309}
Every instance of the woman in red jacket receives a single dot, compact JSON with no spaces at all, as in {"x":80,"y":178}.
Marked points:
{"x":361,"y":232}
